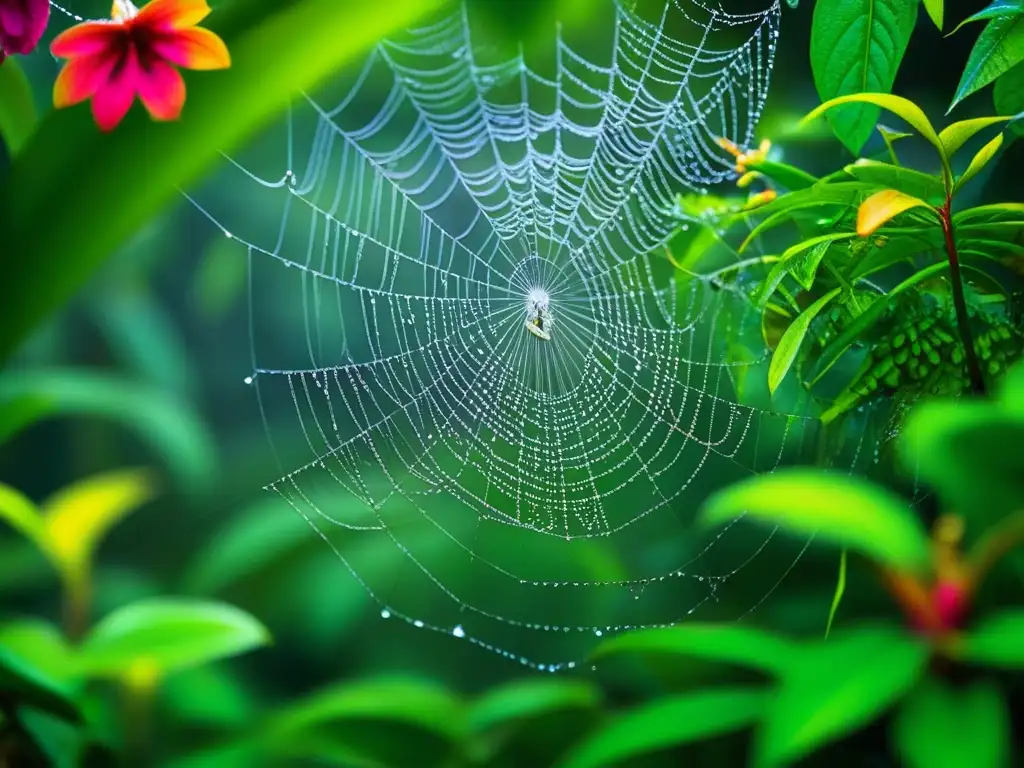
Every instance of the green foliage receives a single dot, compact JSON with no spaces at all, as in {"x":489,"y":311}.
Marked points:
{"x":856,"y":47}
{"x":17,"y":109}
{"x":999,"y":47}
{"x":1008,"y":94}
{"x":998,"y":641}
{"x":836,"y":507}
{"x":29,"y":685}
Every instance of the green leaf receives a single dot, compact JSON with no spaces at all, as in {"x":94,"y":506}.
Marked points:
{"x":19,"y":412}
{"x":531,"y":698}
{"x":79,"y":516}
{"x":995,"y":9}
{"x":941,"y":727}
{"x":170,"y":635}
{"x":923,"y":185}
{"x":883,"y":206}
{"x":785,"y":353}
{"x":725,"y":643}
{"x":669,"y":722}
{"x":41,"y":645}
{"x":887,"y":251}
{"x":837,"y":596}
{"x":385,"y":721}
{"x":29,"y":685}
{"x":17,"y":109}
{"x":999,"y":47}
{"x":890,"y":136}
{"x":993,"y":212}
{"x":902,"y":108}
{"x":954,"y":136}
{"x":165,"y":422}
{"x":839,"y":686}
{"x":20,"y":513}
{"x":1008,"y":96}
{"x":856,"y":48}
{"x":210,"y":695}
{"x":934,"y":9}
{"x":845,"y":510}
{"x":997,"y":641}
{"x":788,"y":176}
{"x":95,"y":174}
{"x":980,"y":160}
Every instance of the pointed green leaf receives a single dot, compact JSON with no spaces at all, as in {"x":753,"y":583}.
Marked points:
{"x":980,"y":160}
{"x":17,"y":109}
{"x":786,"y":351}
{"x":170,"y":635}
{"x":20,"y":513}
{"x":788,"y":176}
{"x":839,"y":686}
{"x":954,"y":136}
{"x":941,"y":727}
{"x":999,"y":47}
{"x":96,"y":174}
{"x":995,"y":9}
{"x":1008,"y":96}
{"x":997,"y":641}
{"x":902,"y":108}
{"x":993,"y":212}
{"x":934,"y":9}
{"x":724,"y":643}
{"x":834,"y":507}
{"x":669,"y":722}
{"x":26,"y":684}
{"x":907,"y":180}
{"x":856,"y":47}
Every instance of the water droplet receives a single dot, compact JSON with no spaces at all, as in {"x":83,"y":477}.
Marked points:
{"x":385,"y":613}
{"x":459,"y":631}
{"x":248,"y":380}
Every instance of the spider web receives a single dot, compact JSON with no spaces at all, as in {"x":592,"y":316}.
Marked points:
{"x":537,"y":492}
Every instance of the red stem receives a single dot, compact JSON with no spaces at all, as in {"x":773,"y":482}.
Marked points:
{"x":959,"y":302}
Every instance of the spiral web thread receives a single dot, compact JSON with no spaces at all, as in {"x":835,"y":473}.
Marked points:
{"x":437,"y":201}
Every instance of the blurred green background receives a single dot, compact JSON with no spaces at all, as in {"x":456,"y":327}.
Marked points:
{"x":146,"y":366}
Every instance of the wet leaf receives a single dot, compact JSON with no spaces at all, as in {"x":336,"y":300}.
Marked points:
{"x":999,"y":47}
{"x":789,"y":345}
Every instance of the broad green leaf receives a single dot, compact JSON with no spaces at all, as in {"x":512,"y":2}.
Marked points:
{"x":865,"y":320}
{"x":169,"y":635}
{"x":27,"y":684}
{"x":994,"y":10}
{"x":838,"y":508}
{"x":954,"y":136}
{"x":902,"y":108}
{"x":118,"y":178}
{"x":883,"y":206}
{"x":17,"y":109}
{"x":1008,"y":96}
{"x":385,"y":721}
{"x":786,"y":352}
{"x":531,"y":698}
{"x":923,"y":185}
{"x":934,"y":9}
{"x":669,"y":722}
{"x":168,"y":424}
{"x":79,"y":516}
{"x":969,"y":453}
{"x":21,"y":514}
{"x":942,"y":727}
{"x":788,"y":176}
{"x":839,"y":686}
{"x":856,"y":48}
{"x":980,"y":160}
{"x":724,"y":643}
{"x":999,"y":47}
{"x":997,"y":641}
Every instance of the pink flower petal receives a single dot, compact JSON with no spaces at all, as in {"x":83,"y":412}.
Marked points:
{"x":22,"y":24}
{"x":162,"y":91}
{"x":193,"y":49}
{"x":172,"y":14}
{"x":86,"y":39}
{"x":114,"y":97}
{"x":80,"y":79}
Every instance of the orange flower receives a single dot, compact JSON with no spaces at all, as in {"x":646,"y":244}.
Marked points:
{"x":137,"y":53}
{"x":743,"y":158}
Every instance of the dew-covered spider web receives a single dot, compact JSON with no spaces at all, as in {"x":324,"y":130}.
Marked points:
{"x":490,"y":392}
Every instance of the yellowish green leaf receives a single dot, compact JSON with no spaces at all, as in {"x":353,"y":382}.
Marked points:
{"x":883,"y":206}
{"x":903,"y":108}
{"x":980,"y":160}
{"x":837,"y":596}
{"x":78,"y":517}
{"x":934,"y":9}
{"x":21,"y":514}
{"x":954,"y":136}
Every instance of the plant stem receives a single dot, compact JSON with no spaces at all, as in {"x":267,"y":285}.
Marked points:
{"x":959,"y":302}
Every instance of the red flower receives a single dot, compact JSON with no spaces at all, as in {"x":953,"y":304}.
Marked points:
{"x":136,"y":54}
{"x":22,"y":23}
